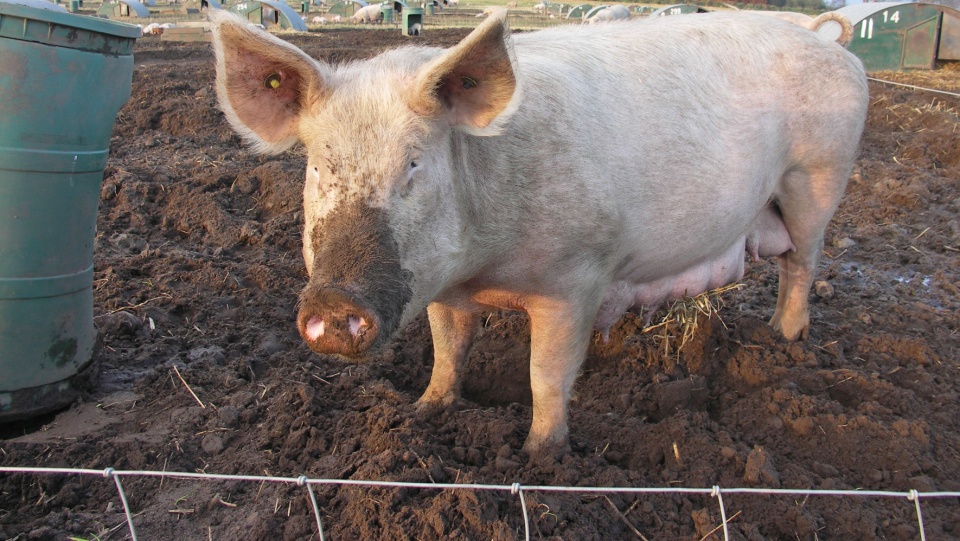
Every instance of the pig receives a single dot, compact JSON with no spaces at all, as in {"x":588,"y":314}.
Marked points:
{"x":368,"y":14}
{"x":706,"y":137}
{"x":416,"y":29}
{"x":612,"y":13}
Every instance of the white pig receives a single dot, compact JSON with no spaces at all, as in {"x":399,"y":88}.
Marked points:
{"x":705,"y":136}
{"x":368,"y":14}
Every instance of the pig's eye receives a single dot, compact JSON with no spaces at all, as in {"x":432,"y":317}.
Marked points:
{"x":412,"y":169}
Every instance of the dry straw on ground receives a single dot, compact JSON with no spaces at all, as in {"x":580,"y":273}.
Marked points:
{"x":682,"y":318}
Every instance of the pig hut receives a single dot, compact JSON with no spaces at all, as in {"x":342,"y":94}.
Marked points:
{"x":346,"y":8}
{"x":196,"y":6}
{"x":269,"y":12}
{"x":677,"y":9}
{"x":123,"y":8}
{"x":578,"y":12}
{"x":900,"y":35}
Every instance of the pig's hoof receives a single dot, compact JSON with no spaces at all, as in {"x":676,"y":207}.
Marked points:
{"x":430,"y":407}
{"x":792,"y":328}
{"x":545,"y":452}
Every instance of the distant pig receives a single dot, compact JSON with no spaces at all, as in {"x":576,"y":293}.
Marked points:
{"x":368,"y":14}
{"x":705,"y":136}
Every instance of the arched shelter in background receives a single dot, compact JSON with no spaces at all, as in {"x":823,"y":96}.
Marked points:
{"x":196,"y":6}
{"x":346,"y":8}
{"x":900,"y":35}
{"x":577,"y":12}
{"x":123,"y":8}
{"x":678,"y":9}
{"x":594,"y":10}
{"x":269,"y":12}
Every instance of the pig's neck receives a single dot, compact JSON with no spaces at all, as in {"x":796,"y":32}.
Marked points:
{"x":489,"y":197}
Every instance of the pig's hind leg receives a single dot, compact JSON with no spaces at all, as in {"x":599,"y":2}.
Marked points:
{"x":453,"y":332}
{"x":807,"y":201}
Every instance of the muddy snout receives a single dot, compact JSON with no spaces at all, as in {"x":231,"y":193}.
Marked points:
{"x":336,"y":322}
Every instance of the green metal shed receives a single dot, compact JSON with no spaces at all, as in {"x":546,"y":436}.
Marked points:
{"x":594,"y":10}
{"x":269,"y":12}
{"x":577,"y":12}
{"x":678,"y":9}
{"x":901,"y":35}
{"x":123,"y":8}
{"x":346,"y":8}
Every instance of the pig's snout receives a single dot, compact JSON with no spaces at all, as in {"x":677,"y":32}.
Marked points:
{"x":336,"y":322}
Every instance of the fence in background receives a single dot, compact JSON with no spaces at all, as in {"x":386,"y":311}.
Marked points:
{"x":515,"y":488}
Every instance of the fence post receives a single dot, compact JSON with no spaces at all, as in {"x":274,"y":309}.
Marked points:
{"x":108,"y":473}
{"x":723,"y":512}
{"x":515,"y":489}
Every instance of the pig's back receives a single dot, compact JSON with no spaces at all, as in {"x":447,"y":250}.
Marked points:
{"x":687,"y":123}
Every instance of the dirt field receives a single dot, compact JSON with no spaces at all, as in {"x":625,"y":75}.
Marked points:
{"x":198,"y":268}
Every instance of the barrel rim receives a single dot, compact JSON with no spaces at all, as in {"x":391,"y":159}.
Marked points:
{"x":82,"y":22}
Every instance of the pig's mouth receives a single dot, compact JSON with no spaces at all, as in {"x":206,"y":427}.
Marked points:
{"x":333,"y":321}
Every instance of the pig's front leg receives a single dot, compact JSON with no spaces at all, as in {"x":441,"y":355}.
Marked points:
{"x":453,"y":330}
{"x":559,"y":337}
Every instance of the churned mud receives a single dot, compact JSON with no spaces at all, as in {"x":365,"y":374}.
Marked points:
{"x":198,"y":268}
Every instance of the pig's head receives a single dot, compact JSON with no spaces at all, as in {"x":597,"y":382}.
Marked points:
{"x":385,"y":224}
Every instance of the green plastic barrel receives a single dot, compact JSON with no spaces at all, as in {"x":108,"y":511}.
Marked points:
{"x":63,"y":79}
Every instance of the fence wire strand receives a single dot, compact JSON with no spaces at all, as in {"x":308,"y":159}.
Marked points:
{"x":514,"y":488}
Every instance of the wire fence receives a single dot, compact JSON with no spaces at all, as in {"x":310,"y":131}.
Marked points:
{"x":514,"y":488}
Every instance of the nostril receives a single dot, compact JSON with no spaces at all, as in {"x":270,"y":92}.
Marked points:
{"x":314,"y":328}
{"x":358,"y":326}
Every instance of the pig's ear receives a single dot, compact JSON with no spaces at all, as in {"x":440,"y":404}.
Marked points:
{"x":263,"y":83}
{"x":474,"y":84}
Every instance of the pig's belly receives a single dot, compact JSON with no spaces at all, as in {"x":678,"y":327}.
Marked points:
{"x":767,"y":236}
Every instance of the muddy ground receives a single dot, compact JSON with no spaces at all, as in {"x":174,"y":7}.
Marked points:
{"x":198,"y":268}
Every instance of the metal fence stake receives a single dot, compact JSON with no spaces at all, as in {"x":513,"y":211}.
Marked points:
{"x":302,"y":480}
{"x":915,"y":496}
{"x":110,"y":473}
{"x":515,"y":489}
{"x":723,"y":512}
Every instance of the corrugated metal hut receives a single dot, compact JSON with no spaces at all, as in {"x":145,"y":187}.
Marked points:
{"x":123,"y":8}
{"x":901,"y":35}
{"x":196,"y":6}
{"x":346,"y":8}
{"x":594,"y":10}
{"x":678,"y":9}
{"x":269,"y":12}
{"x":577,"y":12}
